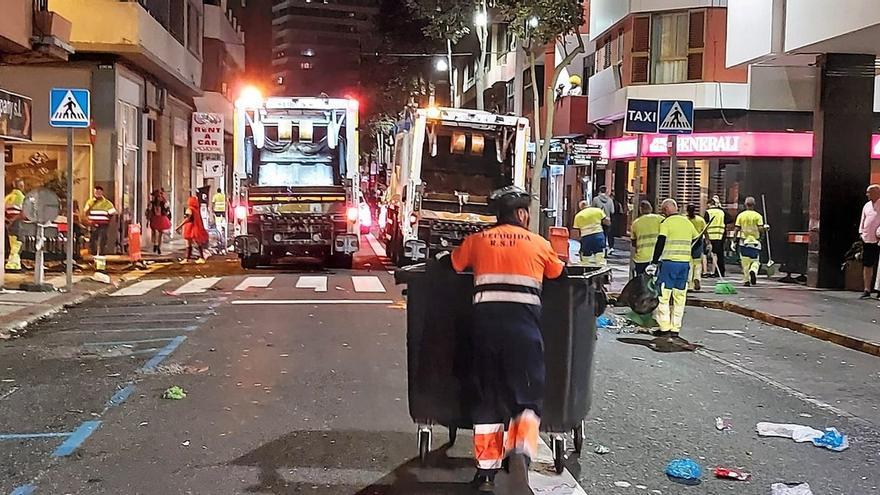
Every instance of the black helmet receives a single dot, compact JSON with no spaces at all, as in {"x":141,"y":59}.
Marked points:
{"x":509,"y":199}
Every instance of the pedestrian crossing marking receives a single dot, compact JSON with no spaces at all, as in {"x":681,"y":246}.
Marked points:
{"x":255,"y":282}
{"x":377,"y":247}
{"x":141,"y":288}
{"x":370,"y":284}
{"x":197,"y":286}
{"x":319,"y":284}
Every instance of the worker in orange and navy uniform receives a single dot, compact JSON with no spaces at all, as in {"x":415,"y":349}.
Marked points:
{"x":13,"y":203}
{"x":99,"y":210}
{"x":509,"y":265}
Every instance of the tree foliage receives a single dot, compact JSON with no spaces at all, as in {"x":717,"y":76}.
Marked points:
{"x":445,"y":19}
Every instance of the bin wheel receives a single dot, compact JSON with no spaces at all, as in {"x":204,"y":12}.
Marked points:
{"x":578,"y":434}
{"x":453,"y":434}
{"x":559,"y":454}
{"x":424,"y":444}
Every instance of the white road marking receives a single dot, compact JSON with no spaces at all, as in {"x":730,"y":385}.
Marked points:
{"x":377,"y":246}
{"x":256,"y":282}
{"x":197,"y":286}
{"x":785,"y":388}
{"x":369,"y":283}
{"x":319,"y":284}
{"x":312,"y":301}
{"x":141,"y":288}
{"x":735,"y":333}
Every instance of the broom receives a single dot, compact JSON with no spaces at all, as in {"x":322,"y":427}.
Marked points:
{"x":722,"y":287}
{"x":771,"y":267}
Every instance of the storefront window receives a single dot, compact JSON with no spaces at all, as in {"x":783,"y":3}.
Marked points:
{"x":669,"y":48}
{"x":46,"y":166}
{"x":127,"y":148}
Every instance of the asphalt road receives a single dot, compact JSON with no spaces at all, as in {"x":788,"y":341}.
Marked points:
{"x":304,"y":390}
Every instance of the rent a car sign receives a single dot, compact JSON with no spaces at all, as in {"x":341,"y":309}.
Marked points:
{"x":207,"y":133}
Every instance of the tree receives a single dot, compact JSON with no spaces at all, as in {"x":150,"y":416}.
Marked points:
{"x":536,"y":24}
{"x":450,"y":21}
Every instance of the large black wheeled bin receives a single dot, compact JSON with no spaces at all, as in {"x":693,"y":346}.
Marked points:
{"x":439,"y":306}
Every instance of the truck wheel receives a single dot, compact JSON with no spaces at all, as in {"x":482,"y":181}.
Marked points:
{"x":344,"y":261}
{"x":250,"y":262}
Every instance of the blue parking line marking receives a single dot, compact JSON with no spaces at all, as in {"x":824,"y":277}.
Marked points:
{"x":162,"y":354}
{"x":24,"y":490}
{"x":28,"y":436}
{"x":76,"y":438}
{"x":120,"y":395}
{"x":124,"y":342}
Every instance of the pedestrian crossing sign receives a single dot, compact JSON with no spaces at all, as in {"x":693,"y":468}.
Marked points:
{"x":676,"y":117}
{"x":69,"y":107}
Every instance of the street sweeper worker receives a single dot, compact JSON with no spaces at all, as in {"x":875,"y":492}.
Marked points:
{"x":673,"y":254}
{"x":749,"y":226}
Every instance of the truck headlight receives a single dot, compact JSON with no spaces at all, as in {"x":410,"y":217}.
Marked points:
{"x":277,"y":237}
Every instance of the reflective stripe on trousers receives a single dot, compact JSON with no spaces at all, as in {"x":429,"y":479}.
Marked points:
{"x":522,"y":435}
{"x":489,"y":445}
{"x":696,"y":272}
{"x":670,"y":313}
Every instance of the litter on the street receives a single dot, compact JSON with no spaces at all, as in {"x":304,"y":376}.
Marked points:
{"x":602,"y":450}
{"x":732,"y":473}
{"x":684,"y":469}
{"x":722,"y":424}
{"x":174,"y":393}
{"x":830,"y":438}
{"x":787,"y":489}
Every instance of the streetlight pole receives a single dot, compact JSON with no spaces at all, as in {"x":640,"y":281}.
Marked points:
{"x":481,"y":22}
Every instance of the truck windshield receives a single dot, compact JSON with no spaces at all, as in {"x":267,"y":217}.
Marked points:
{"x":466,"y":162}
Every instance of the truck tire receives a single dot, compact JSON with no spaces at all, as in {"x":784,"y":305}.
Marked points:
{"x":343,"y":261}
{"x":250,"y":262}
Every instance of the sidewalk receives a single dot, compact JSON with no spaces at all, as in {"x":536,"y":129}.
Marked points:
{"x":832,"y":315}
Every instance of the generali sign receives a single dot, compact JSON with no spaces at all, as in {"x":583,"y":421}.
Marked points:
{"x":207,"y":133}
{"x":726,"y":144}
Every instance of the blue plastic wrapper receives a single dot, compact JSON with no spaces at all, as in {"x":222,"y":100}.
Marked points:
{"x":832,"y":439}
{"x":685,"y":469}
{"x":603,"y":321}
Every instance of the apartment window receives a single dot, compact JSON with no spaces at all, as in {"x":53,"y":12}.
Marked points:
{"x":669,"y":43}
{"x":589,"y":71}
{"x":177,"y":20}
{"x":194,"y":29}
{"x":306,"y":65}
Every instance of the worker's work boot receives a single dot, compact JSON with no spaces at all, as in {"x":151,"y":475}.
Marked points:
{"x":519,"y":475}
{"x":483,"y":482}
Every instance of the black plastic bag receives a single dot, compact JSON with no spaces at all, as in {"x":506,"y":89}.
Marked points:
{"x":640,"y":294}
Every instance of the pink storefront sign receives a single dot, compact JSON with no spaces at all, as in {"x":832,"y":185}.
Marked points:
{"x":726,"y":144}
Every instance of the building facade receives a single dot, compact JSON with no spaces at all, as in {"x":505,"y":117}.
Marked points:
{"x":762,"y":117}
{"x":318,"y":45}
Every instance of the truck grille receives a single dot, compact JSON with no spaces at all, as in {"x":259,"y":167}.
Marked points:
{"x":441,"y":234}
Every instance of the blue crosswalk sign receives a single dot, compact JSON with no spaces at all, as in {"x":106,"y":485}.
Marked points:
{"x":69,"y":107}
{"x":676,"y":117}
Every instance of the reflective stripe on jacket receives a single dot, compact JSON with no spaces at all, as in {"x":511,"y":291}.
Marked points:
{"x":716,"y":224}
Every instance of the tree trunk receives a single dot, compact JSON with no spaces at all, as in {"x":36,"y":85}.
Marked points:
{"x":481,"y":76}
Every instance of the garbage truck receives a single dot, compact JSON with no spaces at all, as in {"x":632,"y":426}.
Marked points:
{"x":295,"y":180}
{"x":446,"y":163}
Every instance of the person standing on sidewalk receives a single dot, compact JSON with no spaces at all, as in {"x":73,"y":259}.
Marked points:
{"x":99,"y":210}
{"x":13,"y":203}
{"x":592,"y":223}
{"x":673,"y":254}
{"x":606,"y":204}
{"x":509,"y":265}
{"x":193,"y":230}
{"x":749,"y":226}
{"x":717,"y":220}
{"x":868,"y":226}
{"x":697,"y":248}
{"x":644,"y":236}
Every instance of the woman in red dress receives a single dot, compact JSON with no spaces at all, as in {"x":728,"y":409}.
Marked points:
{"x":194,"y":230}
{"x":159,"y":216}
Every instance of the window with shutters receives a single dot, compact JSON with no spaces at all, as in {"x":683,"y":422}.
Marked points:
{"x":669,"y":48}
{"x":696,"y":44}
{"x":692,"y":184}
{"x":641,"y":49}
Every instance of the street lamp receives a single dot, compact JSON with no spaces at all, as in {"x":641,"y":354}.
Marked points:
{"x":441,"y":65}
{"x":481,"y":19}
